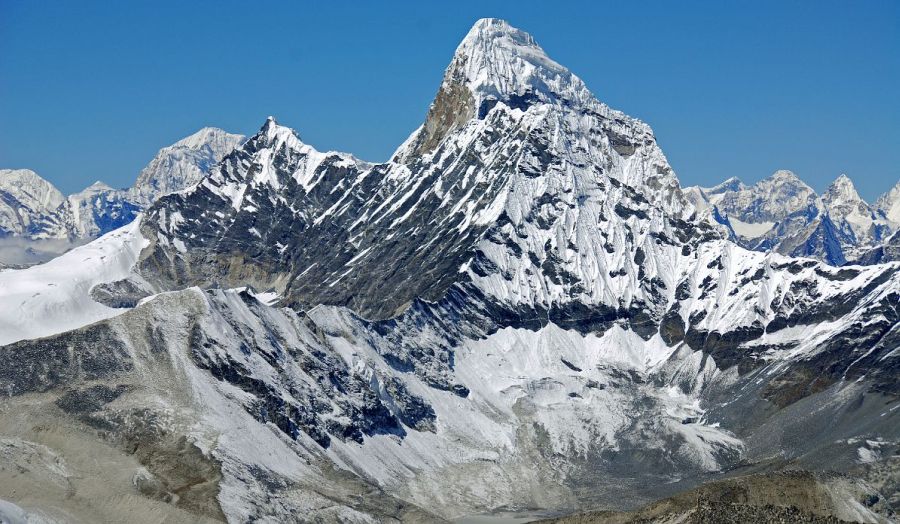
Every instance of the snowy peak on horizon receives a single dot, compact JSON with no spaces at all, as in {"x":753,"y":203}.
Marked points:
{"x":277,"y":136}
{"x":769,"y":200}
{"x":785,"y":176}
{"x":27,"y":202}
{"x":842,"y":190}
{"x":212,"y":137}
{"x":96,"y":187}
{"x":888,"y":205}
{"x":843,"y":202}
{"x":31,"y":188}
{"x":182,"y":164}
{"x":732,"y":184}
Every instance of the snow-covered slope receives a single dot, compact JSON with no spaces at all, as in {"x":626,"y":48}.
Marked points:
{"x":55,"y":296}
{"x":520,"y":310}
{"x":888,"y":206}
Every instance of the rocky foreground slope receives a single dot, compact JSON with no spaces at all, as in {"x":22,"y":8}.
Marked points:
{"x":520,"y":311}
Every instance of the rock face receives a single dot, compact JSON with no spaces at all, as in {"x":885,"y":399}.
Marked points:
{"x":521,"y":310}
{"x":889,"y":251}
{"x":784,"y":215}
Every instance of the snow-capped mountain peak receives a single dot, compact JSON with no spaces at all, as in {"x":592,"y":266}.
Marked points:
{"x":33,"y":190}
{"x":854,"y":219}
{"x":496,"y":61}
{"x":844,"y":203}
{"x":499,"y":64}
{"x":27,"y":203}
{"x":769,"y":200}
{"x":782,"y":213}
{"x":32,"y":209}
{"x":786,"y":176}
{"x":732,"y":184}
{"x":212,"y":137}
{"x":546,"y":144}
{"x":96,"y":187}
{"x":842,"y":191}
{"x":888,"y":205}
{"x":182,"y":164}
{"x":279,"y":136}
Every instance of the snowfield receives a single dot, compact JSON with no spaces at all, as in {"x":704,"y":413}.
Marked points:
{"x":54,"y":297}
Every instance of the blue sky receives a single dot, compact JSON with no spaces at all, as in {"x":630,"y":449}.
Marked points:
{"x":90,"y":90}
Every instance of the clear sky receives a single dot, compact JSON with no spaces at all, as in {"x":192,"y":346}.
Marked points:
{"x":91,"y":90}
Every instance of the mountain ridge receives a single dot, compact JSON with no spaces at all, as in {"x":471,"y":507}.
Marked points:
{"x":520,"y":311}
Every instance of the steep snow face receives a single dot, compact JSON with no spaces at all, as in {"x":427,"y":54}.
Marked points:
{"x":496,"y":61}
{"x":182,"y":164}
{"x":855,"y":218}
{"x":26,"y":202}
{"x":888,"y":206}
{"x":499,"y":64}
{"x":55,"y":296}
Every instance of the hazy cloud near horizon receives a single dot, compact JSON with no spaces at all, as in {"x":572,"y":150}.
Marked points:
{"x":18,"y":251}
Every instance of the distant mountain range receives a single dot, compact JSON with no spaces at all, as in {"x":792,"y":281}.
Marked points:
{"x":39,"y":222}
{"x":780,"y":213}
{"x":783,"y":214}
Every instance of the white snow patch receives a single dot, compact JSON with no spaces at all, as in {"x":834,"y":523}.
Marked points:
{"x":750,"y":229}
{"x":55,"y":297}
